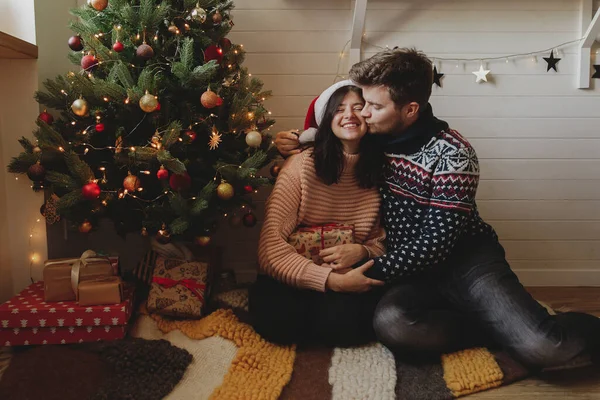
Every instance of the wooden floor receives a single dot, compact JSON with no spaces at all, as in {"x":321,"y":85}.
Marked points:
{"x":574,"y":384}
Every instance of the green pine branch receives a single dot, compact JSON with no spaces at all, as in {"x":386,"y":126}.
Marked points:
{"x":68,"y":201}
{"x":78,"y":168}
{"x":26,"y":144}
{"x":21,"y":163}
{"x":171,"y":163}
{"x":171,"y":135}
{"x":62,"y":180}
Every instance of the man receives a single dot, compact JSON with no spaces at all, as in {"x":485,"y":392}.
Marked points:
{"x":450,"y":284}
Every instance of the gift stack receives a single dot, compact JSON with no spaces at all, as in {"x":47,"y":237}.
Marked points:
{"x":310,"y":240}
{"x":80,"y":300}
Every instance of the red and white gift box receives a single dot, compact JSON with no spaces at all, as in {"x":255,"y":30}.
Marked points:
{"x":28,"y":319}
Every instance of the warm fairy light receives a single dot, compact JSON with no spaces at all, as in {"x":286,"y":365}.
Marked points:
{"x":37,"y":220}
{"x":127,"y":100}
{"x":250,"y":115}
{"x":269,"y":112}
{"x":119,"y":27}
{"x":63,"y":92}
{"x":145,"y":172}
{"x":140,"y":189}
{"x":132,"y":148}
{"x":87,"y":150}
{"x":105,"y":98}
{"x":61,"y":149}
{"x":104,"y":202}
{"x":102,"y":169}
{"x":73,"y":123}
{"x":34,"y":257}
{"x":235,"y":51}
{"x":229,"y":65}
{"x":137,"y":36}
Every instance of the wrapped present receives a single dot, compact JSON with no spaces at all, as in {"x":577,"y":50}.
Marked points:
{"x":60,"y":335}
{"x":178,"y":288}
{"x":29,"y":310}
{"x":310,"y":240}
{"x":102,"y":290}
{"x":61,"y":276}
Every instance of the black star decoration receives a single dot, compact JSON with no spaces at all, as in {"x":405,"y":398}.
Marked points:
{"x":597,"y":73}
{"x":437,"y":77}
{"x":551,"y":61}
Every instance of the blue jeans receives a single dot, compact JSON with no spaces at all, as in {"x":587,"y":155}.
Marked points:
{"x":476,"y":300}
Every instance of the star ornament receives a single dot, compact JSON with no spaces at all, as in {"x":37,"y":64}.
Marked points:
{"x":437,"y":77}
{"x":481,"y":74}
{"x":552,"y":61}
{"x":214,"y":141}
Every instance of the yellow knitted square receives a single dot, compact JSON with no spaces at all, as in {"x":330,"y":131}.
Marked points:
{"x":470,"y":371}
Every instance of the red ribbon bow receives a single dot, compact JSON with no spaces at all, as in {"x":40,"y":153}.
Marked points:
{"x":196,"y":288}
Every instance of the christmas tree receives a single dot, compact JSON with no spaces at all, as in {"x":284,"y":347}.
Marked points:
{"x":160,"y":128}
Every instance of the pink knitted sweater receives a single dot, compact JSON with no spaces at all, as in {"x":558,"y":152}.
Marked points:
{"x":301,"y":198}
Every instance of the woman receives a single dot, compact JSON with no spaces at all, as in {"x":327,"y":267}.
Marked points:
{"x":295,"y":300}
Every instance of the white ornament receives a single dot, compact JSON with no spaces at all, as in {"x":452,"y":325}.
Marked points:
{"x":481,"y":74}
{"x":253,"y":139}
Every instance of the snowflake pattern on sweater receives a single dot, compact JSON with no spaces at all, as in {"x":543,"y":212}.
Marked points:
{"x":428,"y":206}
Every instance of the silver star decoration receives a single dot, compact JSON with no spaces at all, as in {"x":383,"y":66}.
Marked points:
{"x":481,"y":74}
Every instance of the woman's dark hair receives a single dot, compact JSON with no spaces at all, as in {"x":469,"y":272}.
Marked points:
{"x":328,"y":152}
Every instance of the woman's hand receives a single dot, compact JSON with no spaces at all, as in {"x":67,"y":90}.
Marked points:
{"x":353,"y":281}
{"x":287,"y":143}
{"x":343,"y":256}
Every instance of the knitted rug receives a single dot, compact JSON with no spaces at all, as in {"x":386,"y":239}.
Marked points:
{"x":232,"y":361}
{"x":124,"y":369}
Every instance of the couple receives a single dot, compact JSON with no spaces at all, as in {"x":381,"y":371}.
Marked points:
{"x":441,"y":283}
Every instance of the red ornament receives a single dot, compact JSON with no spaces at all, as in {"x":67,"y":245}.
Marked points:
{"x":88,"y":62}
{"x":90,"y":191}
{"x":75,"y":43}
{"x":157,"y":107}
{"x":180,"y":182}
{"x":191,"y":135}
{"x":225,"y":44}
{"x":249,"y":220}
{"x":46,"y":117}
{"x":162,"y":173}
{"x":219,"y":101}
{"x":118,"y":47}
{"x":99,"y":127}
{"x":213,"y":52}
{"x":248,"y":189}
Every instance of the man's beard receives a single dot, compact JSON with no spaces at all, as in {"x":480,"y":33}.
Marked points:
{"x":395,"y":129}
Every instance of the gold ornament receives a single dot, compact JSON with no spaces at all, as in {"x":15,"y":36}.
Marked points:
{"x":144,"y":51}
{"x":253,"y":139}
{"x":173,"y":29}
{"x":225,"y":191}
{"x":85,"y":226}
{"x":163,"y":236}
{"x":80,"y":107}
{"x":98,"y":5}
{"x":209,"y":99}
{"x":217,"y":17}
{"x":198,"y":14}
{"x":203,"y":240}
{"x":148,"y":103}
{"x":131,"y":183}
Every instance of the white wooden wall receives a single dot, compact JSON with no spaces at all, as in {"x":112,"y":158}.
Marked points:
{"x":536,"y":135}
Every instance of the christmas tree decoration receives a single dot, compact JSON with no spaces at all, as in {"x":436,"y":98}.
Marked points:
{"x":198,"y":14}
{"x":131,"y":183}
{"x":75,"y":43}
{"x":215,"y":140}
{"x":209,"y":99}
{"x":90,"y":191}
{"x":144,"y":51}
{"x":275,"y":170}
{"x":481,"y":74}
{"x":109,"y":120}
{"x":163,"y":236}
{"x":217,"y":18}
{"x":49,"y":210}
{"x":249,"y":220}
{"x":118,"y":46}
{"x":144,"y":231}
{"x":98,"y":5}
{"x":36,"y":172}
{"x":179,"y":182}
{"x":85,"y":226}
{"x":225,"y":44}
{"x":552,"y":61}
{"x":191,"y":135}
{"x":148,"y":103}
{"x":202,"y":240}
{"x":248,"y":189}
{"x":88,"y":62}
{"x":253,"y":139}
{"x":437,"y":77}
{"x":596,"y":72}
{"x":162,"y":173}
{"x":213,"y":52}
{"x":225,"y":191}
{"x":80,"y":107}
{"x":46,"y":117}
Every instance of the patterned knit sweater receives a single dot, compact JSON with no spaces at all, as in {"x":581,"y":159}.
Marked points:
{"x":301,"y":198}
{"x":431,"y":177}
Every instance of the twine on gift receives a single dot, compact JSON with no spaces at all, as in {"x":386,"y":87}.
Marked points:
{"x":196,"y":288}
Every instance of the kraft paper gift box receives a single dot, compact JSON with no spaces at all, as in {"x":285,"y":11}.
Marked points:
{"x":310,"y":240}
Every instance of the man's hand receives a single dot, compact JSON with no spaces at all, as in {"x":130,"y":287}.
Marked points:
{"x":354,"y":281}
{"x":287,"y":143}
{"x":344,"y":255}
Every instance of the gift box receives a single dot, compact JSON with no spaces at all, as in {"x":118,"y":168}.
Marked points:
{"x":58,"y":335}
{"x":28,"y":309}
{"x":62,"y":275}
{"x":310,"y":240}
{"x":178,"y":288}
{"x":99,"y":291}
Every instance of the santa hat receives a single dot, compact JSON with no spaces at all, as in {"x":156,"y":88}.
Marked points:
{"x":316,"y":111}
